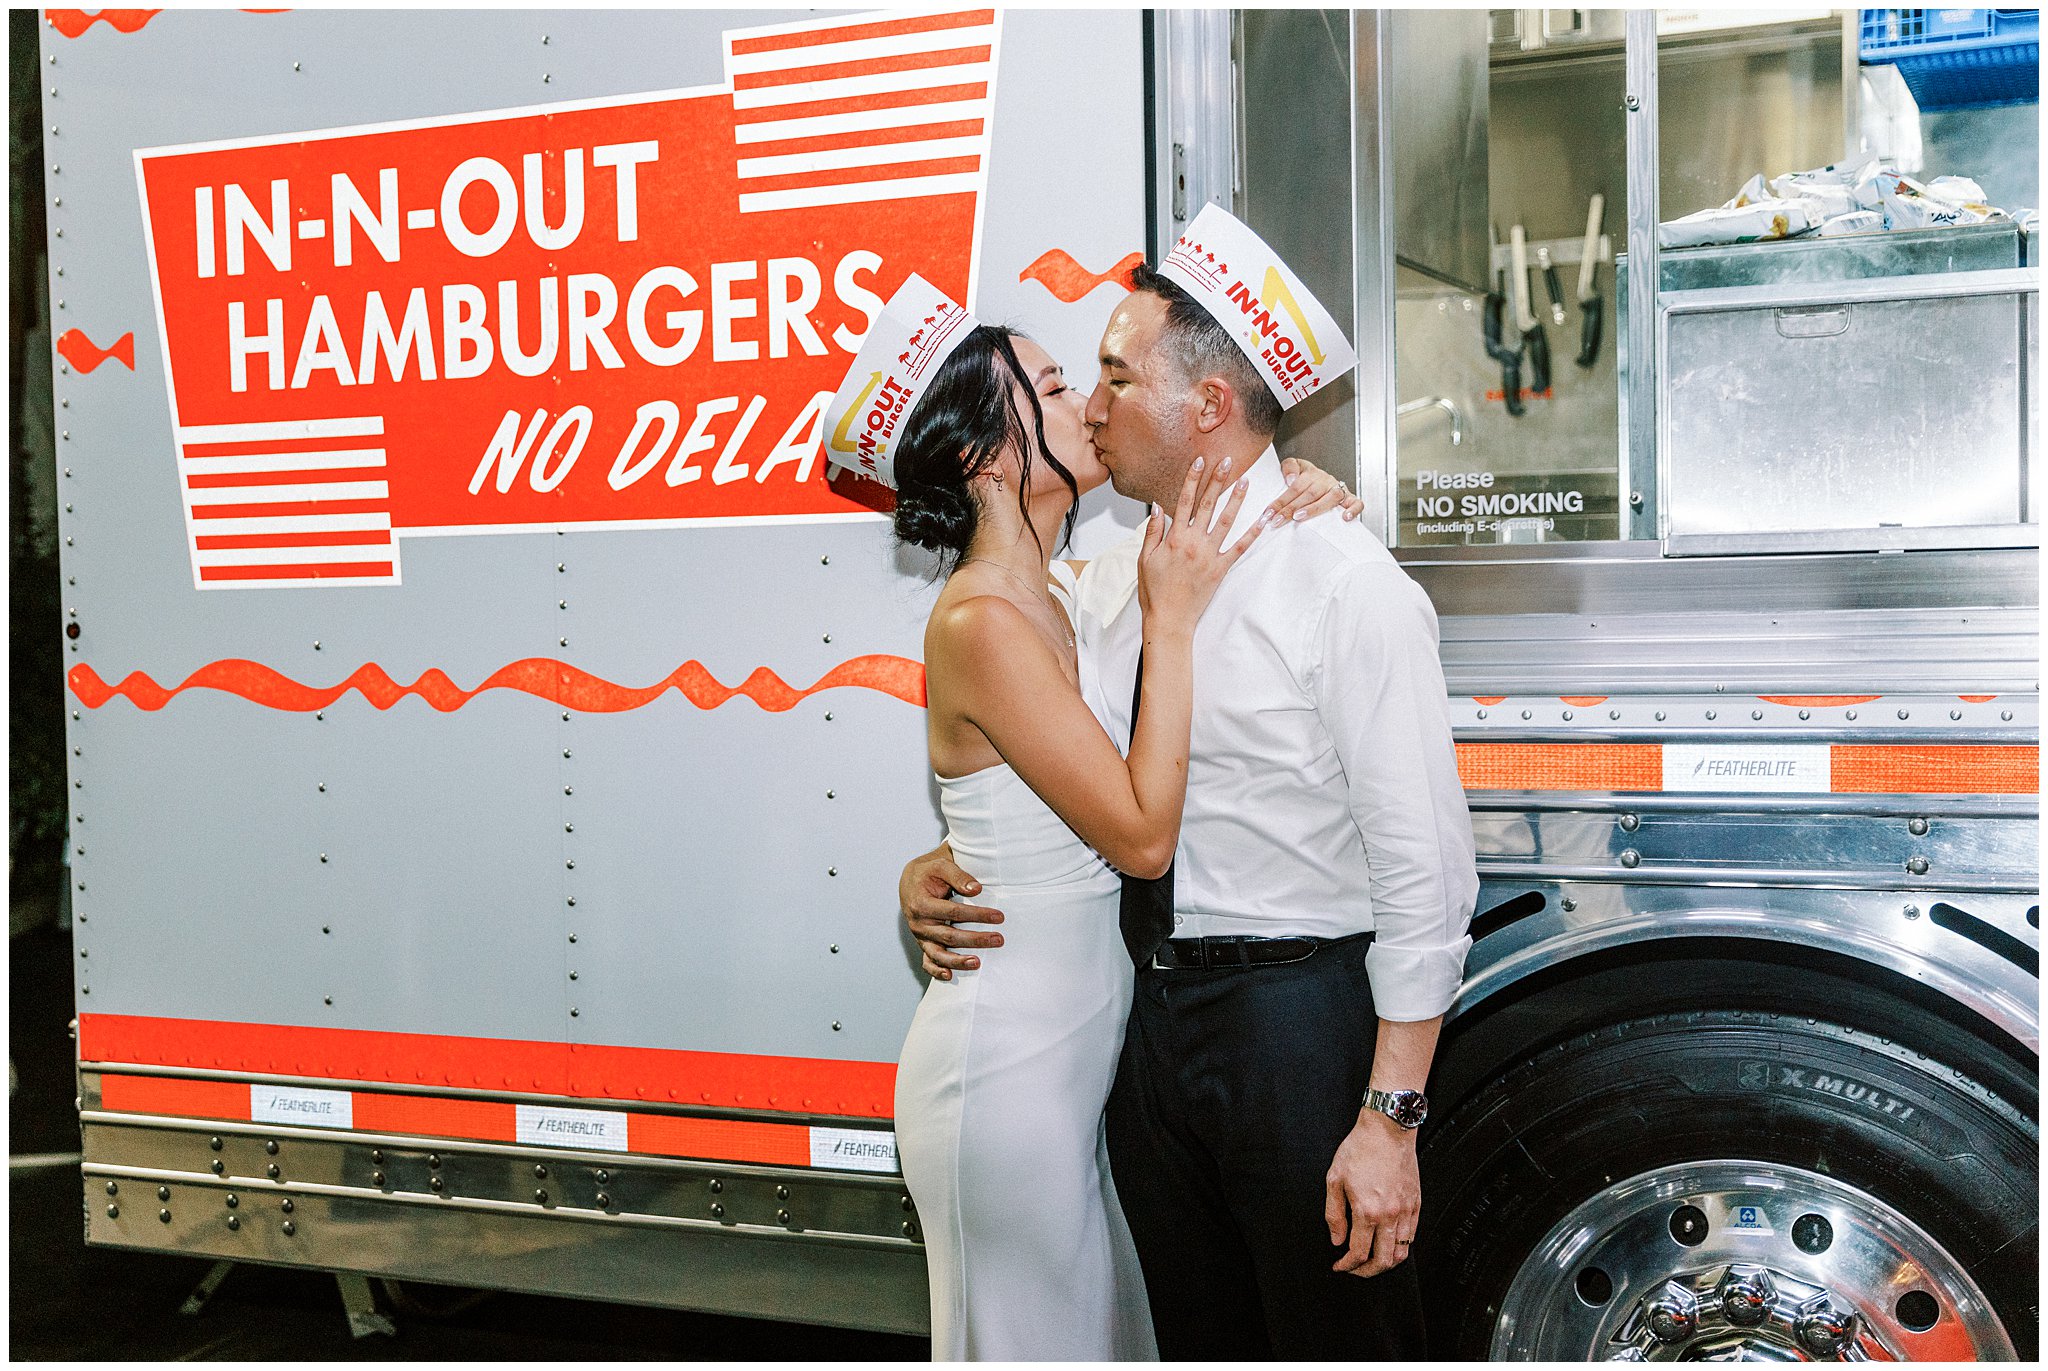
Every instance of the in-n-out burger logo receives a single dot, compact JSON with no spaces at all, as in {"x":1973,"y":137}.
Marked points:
{"x":1293,"y":364}
{"x":913,"y":334}
{"x":621,"y":312}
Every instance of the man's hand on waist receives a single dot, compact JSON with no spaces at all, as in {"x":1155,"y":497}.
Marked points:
{"x":924,"y":893}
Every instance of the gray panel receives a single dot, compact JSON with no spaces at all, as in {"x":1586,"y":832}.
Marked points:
{"x":702,"y":839}
{"x":1440,"y":163}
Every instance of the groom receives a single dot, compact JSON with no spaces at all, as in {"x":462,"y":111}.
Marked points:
{"x":1294,"y":964}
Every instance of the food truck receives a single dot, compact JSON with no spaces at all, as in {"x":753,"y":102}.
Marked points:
{"x":495,"y":723}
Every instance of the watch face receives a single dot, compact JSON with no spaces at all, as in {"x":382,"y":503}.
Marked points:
{"x":1407,"y":1108}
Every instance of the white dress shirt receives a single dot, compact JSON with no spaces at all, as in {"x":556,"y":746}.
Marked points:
{"x":1323,"y":792}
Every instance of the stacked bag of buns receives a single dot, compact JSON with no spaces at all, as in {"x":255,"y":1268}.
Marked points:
{"x":1830,"y":202}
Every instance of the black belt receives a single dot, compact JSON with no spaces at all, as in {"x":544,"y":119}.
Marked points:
{"x":1231,"y":953}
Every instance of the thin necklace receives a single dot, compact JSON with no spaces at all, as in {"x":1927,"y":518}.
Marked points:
{"x":1020,"y":581}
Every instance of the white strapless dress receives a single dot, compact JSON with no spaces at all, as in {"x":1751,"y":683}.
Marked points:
{"x":999,"y":1098}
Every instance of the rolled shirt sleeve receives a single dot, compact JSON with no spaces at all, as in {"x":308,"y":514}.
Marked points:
{"x":1379,"y":689}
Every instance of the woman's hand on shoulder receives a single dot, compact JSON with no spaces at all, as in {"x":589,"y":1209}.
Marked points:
{"x":1312,"y":491}
{"x":1184,"y":560}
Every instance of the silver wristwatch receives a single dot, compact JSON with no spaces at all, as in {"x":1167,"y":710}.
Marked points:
{"x":1407,"y":1108}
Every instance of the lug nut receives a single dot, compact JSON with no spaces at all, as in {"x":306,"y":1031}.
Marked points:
{"x":1825,"y":1330}
{"x":1672,"y":1313}
{"x":1746,"y":1296}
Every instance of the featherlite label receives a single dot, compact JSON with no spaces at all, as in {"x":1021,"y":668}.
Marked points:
{"x":294,"y":1104}
{"x":853,"y":1149}
{"x":1781,"y":768}
{"x":549,"y":1126}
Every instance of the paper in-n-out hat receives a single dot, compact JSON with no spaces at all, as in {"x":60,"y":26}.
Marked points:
{"x":1291,"y":339}
{"x":911,"y":339}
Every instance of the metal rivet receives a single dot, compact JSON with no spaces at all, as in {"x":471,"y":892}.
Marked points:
{"x":327,"y":999}
{"x":1905,"y":714}
{"x":434,"y":1182}
{"x":288,"y":1206}
{"x":1916,"y":827}
{"x":565,"y":642}
{"x":1568,"y":904}
{"x":327,"y":928}
{"x":782,"y":1216}
{"x":907,"y":1205}
{"x":376,"y":1154}
{"x":563,"y":603}
{"x":234,"y":1200}
{"x":1917,"y":865}
{"x":828,"y":716}
{"x":290,"y":1228}
{"x":1851,"y":716}
{"x":717,"y":1186}
{"x":1635,"y":499}
{"x":320,"y":716}
{"x":1756,"y":714}
{"x":824,"y":561}
{"x":831,"y":794}
{"x":570,"y":865}
{"x":604,"y":1201}
{"x":1631,"y":857}
{"x":113,"y":1211}
{"x":2005,"y":714}
{"x":565,"y":752}
{"x":781,"y":1192}
{"x":603,"y":1176}
{"x":828,"y":637}
{"x":271,"y":1171}
{"x":1955,"y":714}
{"x":1567,"y":716}
{"x":295,"y":66}
{"x":163,"y":1216}
{"x":540,"y":1173}
{"x":1912,"y":911}
{"x":163,"y":1192}
{"x":573,"y":976}
{"x":1482,"y":714}
{"x":540,"y":1197}
{"x":717,"y":1211}
{"x":575,"y":1013}
{"x":271,"y":1147}
{"x":909,"y":1229}
{"x":1526,"y":714}
{"x":219,"y":1168}
{"x":561,"y":566}
{"x":323,"y":856}
{"x":545,"y":78}
{"x":1660,"y":716}
{"x":572,"y":937}
{"x":568,"y":828}
{"x":113,"y":1187}
{"x":433,"y":1159}
{"x":1804,"y":714}
{"x":835,"y":1025}
{"x":234,"y":1221}
{"x":568,"y":790}
{"x":1711,"y":715}
{"x":1629,"y":823}
{"x":1614,"y":714}
{"x":835,"y":947}
{"x":376,"y":1178}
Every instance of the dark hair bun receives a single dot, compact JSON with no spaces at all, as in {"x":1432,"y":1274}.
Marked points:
{"x":940,"y":518}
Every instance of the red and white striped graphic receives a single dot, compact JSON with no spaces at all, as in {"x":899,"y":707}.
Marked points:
{"x":849,"y":111}
{"x":301,"y":502}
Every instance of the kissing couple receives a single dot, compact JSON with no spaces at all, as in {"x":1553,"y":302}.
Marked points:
{"x":1159,"y":1097}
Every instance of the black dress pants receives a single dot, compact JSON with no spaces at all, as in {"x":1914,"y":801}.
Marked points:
{"x":1233,"y":1092}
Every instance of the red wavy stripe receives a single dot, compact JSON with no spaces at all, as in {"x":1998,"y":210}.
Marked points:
{"x":1068,"y":280}
{"x":83,"y":353}
{"x":72,"y":23}
{"x":553,"y":680}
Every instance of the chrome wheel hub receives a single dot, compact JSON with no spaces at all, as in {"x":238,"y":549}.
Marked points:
{"x":1743,"y":1261}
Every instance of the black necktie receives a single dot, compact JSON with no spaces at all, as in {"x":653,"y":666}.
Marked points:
{"x":1146,"y":912}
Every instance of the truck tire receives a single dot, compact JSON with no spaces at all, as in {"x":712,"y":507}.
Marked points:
{"x":1699,"y":1147}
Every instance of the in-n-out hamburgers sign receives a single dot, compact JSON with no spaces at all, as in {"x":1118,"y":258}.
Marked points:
{"x":621,"y":312}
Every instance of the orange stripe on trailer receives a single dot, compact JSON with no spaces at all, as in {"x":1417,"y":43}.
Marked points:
{"x":484,"y":1120}
{"x":853,"y":33}
{"x":1487,"y":699}
{"x":1893,"y":769}
{"x":1583,"y":701}
{"x":1561,"y":766}
{"x":770,"y":1144}
{"x":180,"y":1099}
{"x":1976,"y":699}
{"x":1818,"y":701}
{"x":721,"y":1079}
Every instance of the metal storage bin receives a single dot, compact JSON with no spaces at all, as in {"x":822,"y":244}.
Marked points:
{"x":1852,"y":394}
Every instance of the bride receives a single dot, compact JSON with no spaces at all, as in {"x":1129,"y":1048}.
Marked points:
{"x":1002,"y":1079}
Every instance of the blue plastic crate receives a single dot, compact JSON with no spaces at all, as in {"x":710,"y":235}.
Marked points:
{"x":1952,"y":59}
